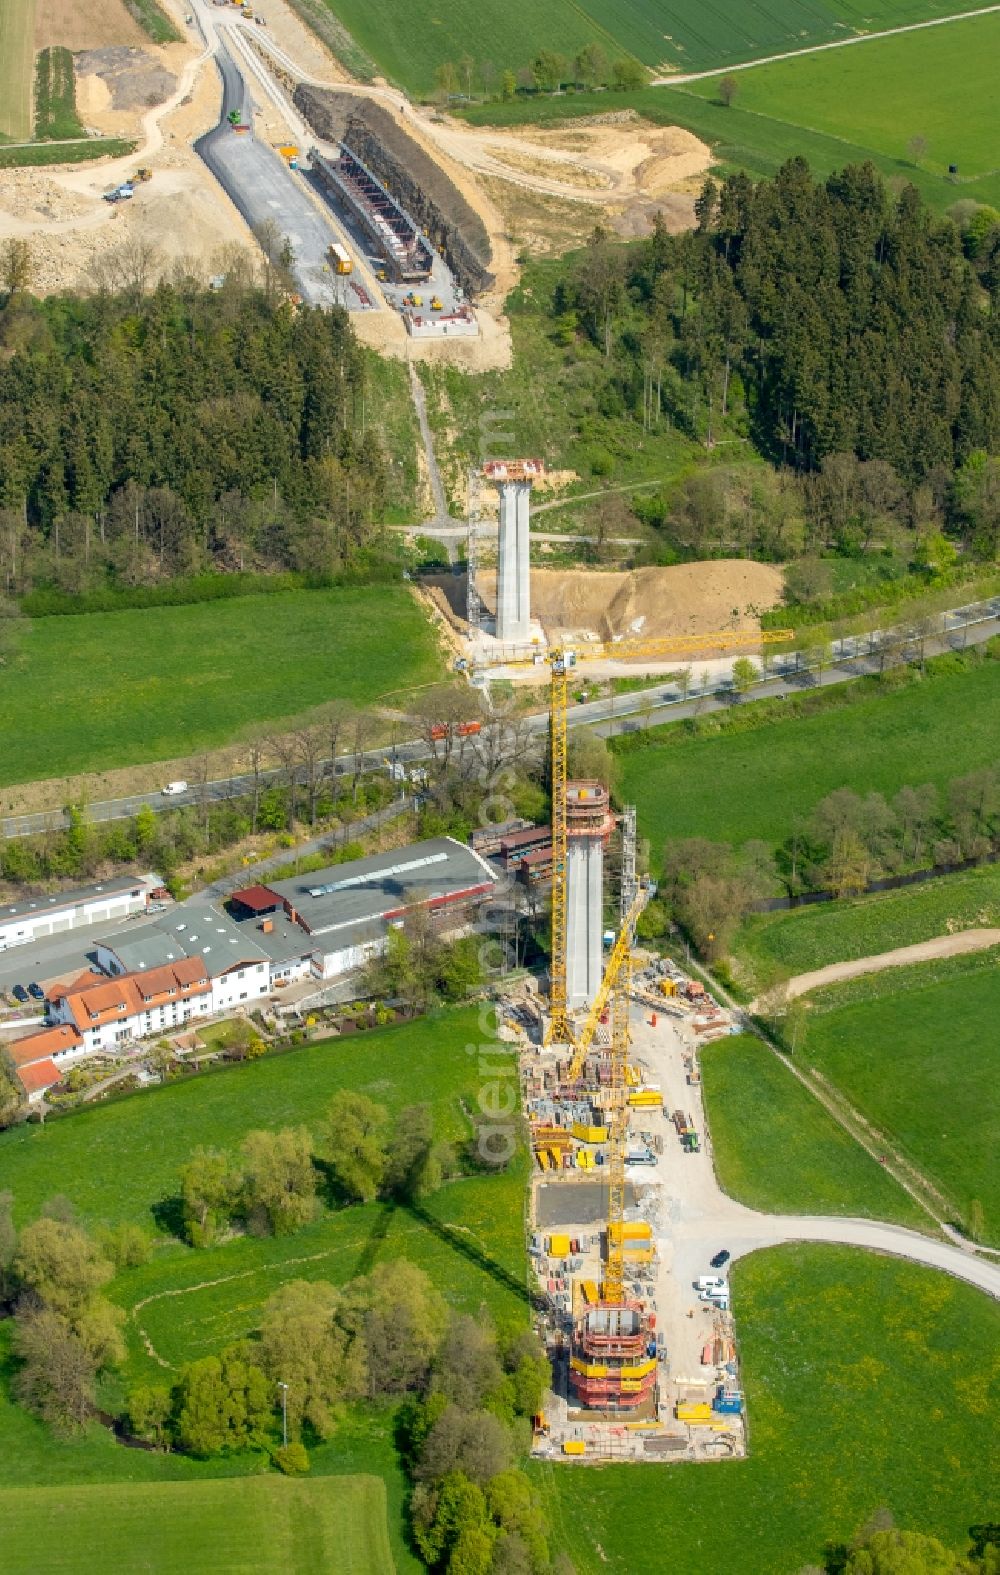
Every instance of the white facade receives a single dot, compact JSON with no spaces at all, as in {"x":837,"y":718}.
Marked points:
{"x":142,"y":1024}
{"x":37,"y":918}
{"x":241,"y":986}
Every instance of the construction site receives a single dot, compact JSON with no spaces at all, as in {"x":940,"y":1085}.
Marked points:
{"x":632,"y":1290}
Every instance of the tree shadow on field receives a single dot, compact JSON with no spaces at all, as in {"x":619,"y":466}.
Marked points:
{"x":168,"y":1217}
{"x":377,"y":1236}
{"x":467,"y":1248}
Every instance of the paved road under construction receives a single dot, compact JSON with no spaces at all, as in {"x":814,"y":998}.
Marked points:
{"x":263,"y":189}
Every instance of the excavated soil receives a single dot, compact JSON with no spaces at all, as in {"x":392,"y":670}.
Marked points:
{"x":691,"y":598}
{"x":133,"y":78}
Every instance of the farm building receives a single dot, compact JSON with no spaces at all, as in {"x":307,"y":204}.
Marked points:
{"x":35,"y":918}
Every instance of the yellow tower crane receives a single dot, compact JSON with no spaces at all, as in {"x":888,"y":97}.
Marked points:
{"x":561,"y":660}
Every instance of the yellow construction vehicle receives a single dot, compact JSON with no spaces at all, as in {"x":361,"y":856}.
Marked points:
{"x":142,"y":175}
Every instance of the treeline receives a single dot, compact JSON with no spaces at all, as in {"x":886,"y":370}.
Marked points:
{"x":271,"y":1185}
{"x":148,"y":435}
{"x":846,"y":842}
{"x":820,"y":318}
{"x":548,"y":72}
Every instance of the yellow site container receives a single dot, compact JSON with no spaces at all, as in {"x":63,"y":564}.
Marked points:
{"x":645,"y":1098}
{"x":693,"y":1411}
{"x":589,"y":1289}
{"x":630,"y":1230}
{"x":585,"y":1159}
{"x":574,"y":1446}
{"x":559,"y":1246}
{"x":585,"y":1134}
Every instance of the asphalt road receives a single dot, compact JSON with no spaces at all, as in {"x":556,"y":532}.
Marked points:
{"x":263,"y":189}
{"x":622,"y":713}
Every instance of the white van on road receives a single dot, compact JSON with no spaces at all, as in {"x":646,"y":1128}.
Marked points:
{"x":173,"y":788}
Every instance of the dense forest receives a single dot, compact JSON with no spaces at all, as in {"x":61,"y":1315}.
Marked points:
{"x":143,"y":436}
{"x":844,"y":330}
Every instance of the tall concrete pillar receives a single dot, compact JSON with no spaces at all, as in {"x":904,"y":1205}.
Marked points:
{"x":514,"y":563}
{"x":584,"y":919}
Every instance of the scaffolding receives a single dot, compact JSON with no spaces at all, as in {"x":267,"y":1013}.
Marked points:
{"x":475,"y":609}
{"x":388,"y":226}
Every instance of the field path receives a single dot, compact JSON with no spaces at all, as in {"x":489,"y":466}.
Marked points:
{"x":816,"y":49}
{"x":901,"y":957}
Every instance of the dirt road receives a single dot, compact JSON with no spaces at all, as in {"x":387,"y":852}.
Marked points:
{"x":818,"y":49}
{"x":902,"y":957}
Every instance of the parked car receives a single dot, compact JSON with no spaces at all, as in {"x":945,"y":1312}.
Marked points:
{"x":19,"y":993}
{"x":173,"y":788}
{"x":719,"y":1259}
{"x":37,"y":991}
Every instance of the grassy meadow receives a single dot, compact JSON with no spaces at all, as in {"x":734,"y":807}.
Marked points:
{"x":837,"y":107}
{"x":818,"y":1327}
{"x":777,"y":1149}
{"x":334,"y":1524}
{"x":17,"y":53}
{"x":772,"y":946}
{"x":916,"y":1051}
{"x":666,"y":35}
{"x":732,"y":786}
{"x":114,"y":689}
{"x":934,"y":84}
{"x":860,"y":1394}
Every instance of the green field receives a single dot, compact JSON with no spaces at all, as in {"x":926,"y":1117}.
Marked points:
{"x":843,"y":106}
{"x":666,"y":35}
{"x":55,"y":96}
{"x":934,"y":84}
{"x":17,"y":54}
{"x":115,"y":689}
{"x":149,"y":1136}
{"x":35,"y":154}
{"x":918,"y":1053}
{"x":818,"y":1328}
{"x":736,"y":786}
{"x":772,"y":946}
{"x":335,"y":1524}
{"x":869,"y":1383}
{"x":777,"y":1149}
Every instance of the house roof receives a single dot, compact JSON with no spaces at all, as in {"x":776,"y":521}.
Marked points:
{"x":259,"y":899}
{"x":39,"y":1075}
{"x":114,"y":1000}
{"x":83,"y":981}
{"x":47,"y":1042}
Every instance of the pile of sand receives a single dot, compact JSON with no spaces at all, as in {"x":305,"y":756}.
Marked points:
{"x":132,"y":78}
{"x":691,"y":598}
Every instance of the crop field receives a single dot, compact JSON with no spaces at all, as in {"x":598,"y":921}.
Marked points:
{"x":838,"y":107}
{"x":934,"y":84}
{"x":335,"y":1524}
{"x":777,"y":1149}
{"x":17,"y":54}
{"x":775,"y":945}
{"x":916,"y":1051}
{"x":666,"y":35}
{"x":115,"y":689}
{"x":55,"y":96}
{"x":860,"y":1393}
{"x":735,"y":786}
